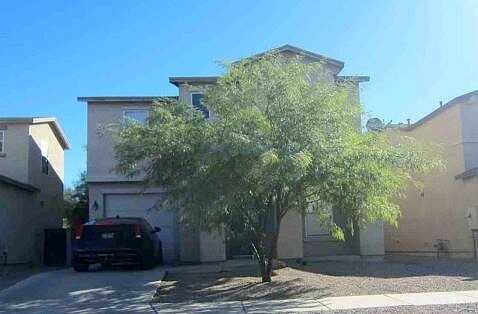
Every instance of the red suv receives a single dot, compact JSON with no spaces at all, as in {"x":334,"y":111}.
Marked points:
{"x":117,"y":242}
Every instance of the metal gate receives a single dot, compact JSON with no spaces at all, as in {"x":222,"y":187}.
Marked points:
{"x":55,"y":247}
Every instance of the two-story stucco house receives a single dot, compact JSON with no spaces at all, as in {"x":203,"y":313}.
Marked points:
{"x":112,"y":194}
{"x":31,"y":185}
{"x":442,"y":217}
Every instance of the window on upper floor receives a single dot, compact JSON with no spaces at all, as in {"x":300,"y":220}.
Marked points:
{"x":45,"y":164}
{"x":2,"y":142}
{"x":136,"y":115}
{"x":197,"y":102}
{"x":317,"y":223}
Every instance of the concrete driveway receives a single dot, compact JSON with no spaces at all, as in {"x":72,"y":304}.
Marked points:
{"x":66,"y":291}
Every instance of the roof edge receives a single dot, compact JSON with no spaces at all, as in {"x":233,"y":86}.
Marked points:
{"x":299,"y":51}
{"x":53,"y":122}
{"x":178,"y":80}
{"x":467,"y":174}
{"x":457,"y":100}
{"x":18,"y":184}
{"x":354,"y":78}
{"x":60,"y":133}
{"x":123,"y":98}
{"x":57,"y":129}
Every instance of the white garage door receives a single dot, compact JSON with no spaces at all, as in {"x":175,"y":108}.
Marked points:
{"x":147,"y":206}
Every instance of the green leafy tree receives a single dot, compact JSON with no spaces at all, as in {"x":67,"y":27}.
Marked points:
{"x":280,"y":139}
{"x":76,"y":202}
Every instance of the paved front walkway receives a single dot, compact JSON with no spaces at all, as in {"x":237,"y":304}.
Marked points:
{"x":326,"y":304}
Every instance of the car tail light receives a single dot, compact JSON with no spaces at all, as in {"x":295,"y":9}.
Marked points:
{"x":137,"y":231}
{"x":79,"y":232}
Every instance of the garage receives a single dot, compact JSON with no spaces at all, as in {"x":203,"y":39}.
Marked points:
{"x":147,"y":206}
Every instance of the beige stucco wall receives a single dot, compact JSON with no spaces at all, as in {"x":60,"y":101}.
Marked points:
{"x":372,"y":240}
{"x":44,"y":132}
{"x":17,"y":236}
{"x":100,"y":142}
{"x":438,"y":211}
{"x":212,"y":246}
{"x":50,"y":197}
{"x":290,"y":243}
{"x":27,"y":214}
{"x":469,"y":116}
{"x":22,"y":222}
{"x":14,"y":162}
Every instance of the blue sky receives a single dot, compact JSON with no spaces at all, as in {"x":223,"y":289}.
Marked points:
{"x":416,"y":52}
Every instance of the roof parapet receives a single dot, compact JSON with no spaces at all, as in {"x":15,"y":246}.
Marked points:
{"x":110,"y":99}
{"x":53,"y":122}
{"x":18,"y":184}
{"x":178,"y":80}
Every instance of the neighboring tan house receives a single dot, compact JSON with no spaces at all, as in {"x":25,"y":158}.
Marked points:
{"x":112,"y":194}
{"x":438,"y":219}
{"x":31,"y":185}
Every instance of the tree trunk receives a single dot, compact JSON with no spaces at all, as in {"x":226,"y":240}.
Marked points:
{"x":269,"y":253}
{"x":266,"y":274}
{"x":265,"y":245}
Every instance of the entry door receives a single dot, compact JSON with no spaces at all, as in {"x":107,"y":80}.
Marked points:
{"x":147,"y":206}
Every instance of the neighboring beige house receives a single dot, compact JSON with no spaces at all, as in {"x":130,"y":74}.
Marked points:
{"x":112,"y":194}
{"x":443,"y":213}
{"x":31,"y":185}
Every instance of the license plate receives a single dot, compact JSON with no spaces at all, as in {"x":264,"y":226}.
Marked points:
{"x":108,"y":235}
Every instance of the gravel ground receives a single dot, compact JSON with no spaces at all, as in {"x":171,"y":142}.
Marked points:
{"x":322,"y":279}
{"x":439,"y":309}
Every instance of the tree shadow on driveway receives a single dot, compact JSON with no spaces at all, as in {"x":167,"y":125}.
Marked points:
{"x":66,"y":291}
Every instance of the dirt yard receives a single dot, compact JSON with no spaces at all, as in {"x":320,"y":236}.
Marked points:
{"x":321,"y":279}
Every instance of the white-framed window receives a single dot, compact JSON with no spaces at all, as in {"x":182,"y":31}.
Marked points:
{"x":317,"y":222}
{"x":136,"y":115}
{"x":197,"y":102}
{"x":2,"y":142}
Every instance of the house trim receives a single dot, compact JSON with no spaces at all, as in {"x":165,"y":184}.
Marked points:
{"x":301,"y":52}
{"x":467,"y":174}
{"x":179,"y":80}
{"x":457,"y":100}
{"x":57,"y":130}
{"x":18,"y":184}
{"x":123,"y":99}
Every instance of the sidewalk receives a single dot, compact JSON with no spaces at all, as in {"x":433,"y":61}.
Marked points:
{"x":326,"y":304}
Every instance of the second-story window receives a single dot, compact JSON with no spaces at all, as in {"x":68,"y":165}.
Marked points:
{"x":2,"y":142}
{"x":197,"y":102}
{"x":45,"y":164}
{"x":136,"y":115}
